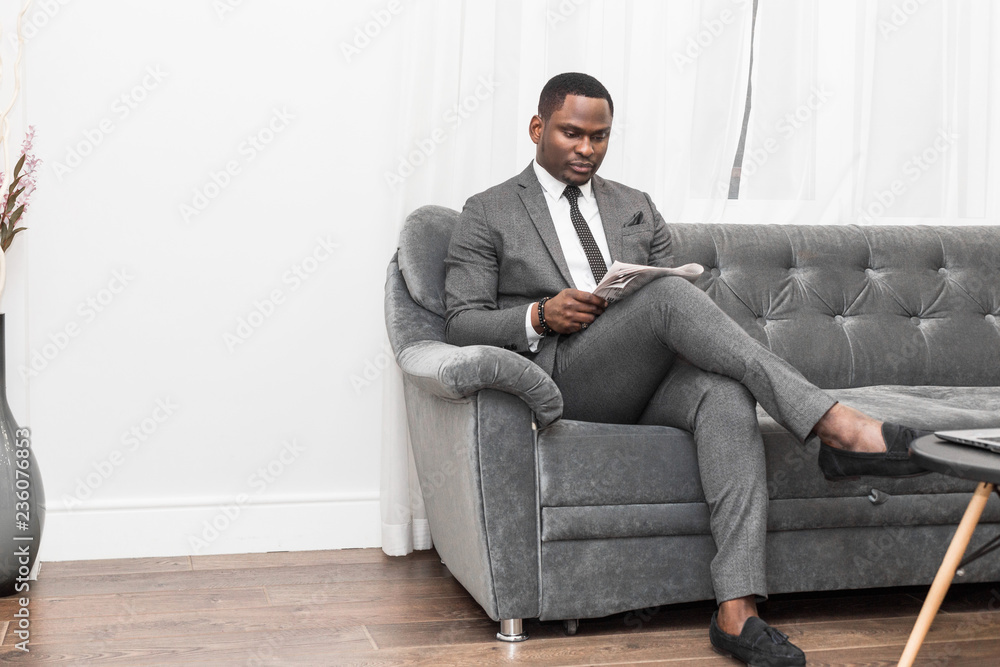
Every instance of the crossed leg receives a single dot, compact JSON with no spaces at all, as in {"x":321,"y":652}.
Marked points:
{"x":611,"y":371}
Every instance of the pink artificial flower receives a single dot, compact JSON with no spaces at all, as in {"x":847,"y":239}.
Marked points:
{"x":9,"y":220}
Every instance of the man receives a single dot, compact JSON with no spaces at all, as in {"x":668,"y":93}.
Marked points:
{"x":521,"y":267}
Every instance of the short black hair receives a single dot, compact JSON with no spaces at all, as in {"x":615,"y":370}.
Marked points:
{"x":570,"y":83}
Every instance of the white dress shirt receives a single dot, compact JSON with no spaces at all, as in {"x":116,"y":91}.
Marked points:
{"x":569,"y":240}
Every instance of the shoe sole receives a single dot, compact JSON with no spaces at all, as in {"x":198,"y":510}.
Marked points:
{"x":727,"y":654}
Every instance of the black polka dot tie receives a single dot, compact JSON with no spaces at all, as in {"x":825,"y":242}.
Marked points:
{"x":594,"y":258}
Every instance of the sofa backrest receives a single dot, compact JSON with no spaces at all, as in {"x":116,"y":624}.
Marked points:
{"x":848,"y":306}
{"x":854,"y":306}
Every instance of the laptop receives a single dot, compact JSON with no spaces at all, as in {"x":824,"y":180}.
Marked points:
{"x":987,"y":438}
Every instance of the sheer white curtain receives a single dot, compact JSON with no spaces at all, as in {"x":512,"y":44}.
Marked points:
{"x":856,"y":106}
{"x":677,"y":72}
{"x":873,"y":112}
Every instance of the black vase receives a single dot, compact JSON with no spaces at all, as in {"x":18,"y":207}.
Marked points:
{"x":22,"y":498}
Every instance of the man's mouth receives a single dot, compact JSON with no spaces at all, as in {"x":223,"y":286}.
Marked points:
{"x":581,"y":167}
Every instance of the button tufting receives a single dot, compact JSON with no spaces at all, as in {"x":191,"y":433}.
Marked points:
{"x":915,"y":320}
{"x":838,"y":318}
{"x":942,"y":270}
{"x":761,"y":321}
{"x":870,"y":273}
{"x":716,"y":272}
{"x":878,"y":497}
{"x":991,"y":319}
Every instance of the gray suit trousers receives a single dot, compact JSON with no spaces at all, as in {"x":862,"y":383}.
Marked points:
{"x":668,"y":355}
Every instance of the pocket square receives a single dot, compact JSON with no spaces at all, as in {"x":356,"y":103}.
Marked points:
{"x":636,"y":220}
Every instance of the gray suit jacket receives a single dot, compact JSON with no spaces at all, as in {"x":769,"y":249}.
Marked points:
{"x":505,"y":254}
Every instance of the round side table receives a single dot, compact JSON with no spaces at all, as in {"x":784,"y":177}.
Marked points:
{"x":965,"y":462}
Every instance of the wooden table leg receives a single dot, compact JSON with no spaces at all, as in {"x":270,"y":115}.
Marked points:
{"x":946,"y":573}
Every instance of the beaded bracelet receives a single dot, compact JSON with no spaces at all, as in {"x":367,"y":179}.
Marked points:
{"x":546,"y":329}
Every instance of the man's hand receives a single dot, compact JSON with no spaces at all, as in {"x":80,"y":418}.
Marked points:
{"x":569,"y":311}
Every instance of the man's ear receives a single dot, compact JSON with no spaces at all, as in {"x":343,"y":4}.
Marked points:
{"x":535,"y":128}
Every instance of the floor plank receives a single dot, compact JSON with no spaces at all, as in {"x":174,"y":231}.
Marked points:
{"x":261,"y":648}
{"x":303,"y":558}
{"x":76,"y":568}
{"x":891,"y":631}
{"x":102,"y":606}
{"x":397,"y":569}
{"x":355,"y":591}
{"x":975,"y":653}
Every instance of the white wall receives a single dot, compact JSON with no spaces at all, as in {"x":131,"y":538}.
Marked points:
{"x":110,"y":226}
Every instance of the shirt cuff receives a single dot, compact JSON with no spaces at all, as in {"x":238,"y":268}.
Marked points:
{"x":529,"y":331}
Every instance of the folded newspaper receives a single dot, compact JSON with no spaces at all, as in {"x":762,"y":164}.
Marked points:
{"x":622,"y":279}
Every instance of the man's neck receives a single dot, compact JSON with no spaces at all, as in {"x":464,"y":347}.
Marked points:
{"x":553,"y":185}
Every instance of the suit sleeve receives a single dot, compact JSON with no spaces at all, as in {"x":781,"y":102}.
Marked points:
{"x":659,"y":250}
{"x":471,"y":287}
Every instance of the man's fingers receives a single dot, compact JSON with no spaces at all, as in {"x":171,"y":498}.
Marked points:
{"x":584,"y":319}
{"x":587,"y":297}
{"x":586,"y":308}
{"x":571,"y":309}
{"x":570,"y":296}
{"x":587,"y":302}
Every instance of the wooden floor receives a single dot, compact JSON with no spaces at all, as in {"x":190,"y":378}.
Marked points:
{"x":360,"y":607}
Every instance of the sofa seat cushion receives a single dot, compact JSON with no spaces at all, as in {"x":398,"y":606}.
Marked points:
{"x":876,"y":510}
{"x":931,"y":408}
{"x":792,"y":471}
{"x":586,"y":464}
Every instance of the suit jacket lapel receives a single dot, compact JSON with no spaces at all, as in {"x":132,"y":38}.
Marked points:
{"x":533,"y":197}
{"x":614,"y":214}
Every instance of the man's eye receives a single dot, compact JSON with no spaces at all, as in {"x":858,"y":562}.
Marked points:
{"x":570,"y":135}
{"x":600,"y":137}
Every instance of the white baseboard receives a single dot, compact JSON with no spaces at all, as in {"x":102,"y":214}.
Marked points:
{"x":165,"y":530}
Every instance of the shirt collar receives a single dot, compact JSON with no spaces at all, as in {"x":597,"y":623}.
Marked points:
{"x":554,"y":187}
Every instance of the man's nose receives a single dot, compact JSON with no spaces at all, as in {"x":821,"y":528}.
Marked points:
{"x":584,"y":147}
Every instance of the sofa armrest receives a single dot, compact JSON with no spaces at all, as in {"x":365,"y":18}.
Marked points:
{"x":475,"y":458}
{"x":452,"y":372}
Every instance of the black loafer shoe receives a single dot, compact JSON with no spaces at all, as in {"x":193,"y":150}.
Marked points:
{"x":758,"y":644}
{"x":840,"y":464}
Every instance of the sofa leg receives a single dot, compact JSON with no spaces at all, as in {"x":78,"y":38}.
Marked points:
{"x":511,"y":630}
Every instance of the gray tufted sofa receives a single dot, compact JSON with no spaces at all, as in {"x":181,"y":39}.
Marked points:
{"x":540,"y":517}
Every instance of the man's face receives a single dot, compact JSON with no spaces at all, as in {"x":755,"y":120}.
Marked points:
{"x":573,"y":141}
